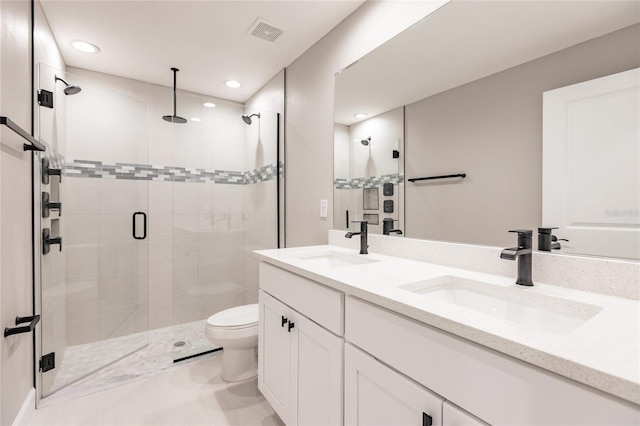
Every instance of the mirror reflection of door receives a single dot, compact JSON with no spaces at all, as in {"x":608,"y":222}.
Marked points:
{"x":591,"y":165}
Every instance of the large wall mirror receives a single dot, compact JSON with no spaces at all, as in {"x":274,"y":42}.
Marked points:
{"x":484,"y":88}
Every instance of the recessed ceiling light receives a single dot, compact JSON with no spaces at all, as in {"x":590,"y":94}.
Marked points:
{"x":85,"y":47}
{"x":361,"y":115}
{"x":232,"y":84}
{"x":209,"y":104}
{"x":195,"y":119}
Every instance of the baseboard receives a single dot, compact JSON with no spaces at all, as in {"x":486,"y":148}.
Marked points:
{"x":27,"y":409}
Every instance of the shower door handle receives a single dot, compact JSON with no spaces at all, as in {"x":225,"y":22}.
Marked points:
{"x":144,"y":226}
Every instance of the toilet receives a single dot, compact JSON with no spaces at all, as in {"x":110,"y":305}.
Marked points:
{"x":236,"y":330}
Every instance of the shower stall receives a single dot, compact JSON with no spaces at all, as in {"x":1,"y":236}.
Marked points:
{"x":158,"y":222}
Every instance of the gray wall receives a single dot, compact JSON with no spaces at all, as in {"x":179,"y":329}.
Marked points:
{"x":492,"y":130}
{"x":16,"y":362}
{"x":310,"y":93}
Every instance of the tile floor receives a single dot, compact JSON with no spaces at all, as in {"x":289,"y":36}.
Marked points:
{"x":187,"y":394}
{"x":124,"y":358}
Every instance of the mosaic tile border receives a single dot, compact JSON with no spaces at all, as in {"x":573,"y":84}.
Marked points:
{"x":130,"y":171}
{"x":368,"y":182}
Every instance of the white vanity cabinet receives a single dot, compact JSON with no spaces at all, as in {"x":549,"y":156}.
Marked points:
{"x":374,"y":394}
{"x":454,"y":416}
{"x":300,"y":363}
{"x":496,"y":388}
{"x":323,"y":356}
{"x":274,"y":357}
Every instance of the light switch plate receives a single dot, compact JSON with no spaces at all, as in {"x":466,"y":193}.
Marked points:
{"x":324,"y":207}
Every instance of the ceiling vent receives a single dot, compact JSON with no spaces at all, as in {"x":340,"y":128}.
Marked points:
{"x":264,"y":30}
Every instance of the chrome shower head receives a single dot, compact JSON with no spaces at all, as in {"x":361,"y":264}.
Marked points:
{"x":366,"y":141}
{"x":70,"y":89}
{"x":247,"y":118}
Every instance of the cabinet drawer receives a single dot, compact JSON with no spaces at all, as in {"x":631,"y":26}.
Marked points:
{"x":497,"y":388}
{"x":319,"y":303}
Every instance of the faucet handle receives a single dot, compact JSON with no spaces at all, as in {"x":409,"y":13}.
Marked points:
{"x":523,"y":232}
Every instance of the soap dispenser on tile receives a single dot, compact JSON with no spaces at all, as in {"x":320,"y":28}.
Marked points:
{"x":547,"y":241}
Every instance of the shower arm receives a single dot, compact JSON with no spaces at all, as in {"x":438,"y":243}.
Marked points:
{"x":175,"y":105}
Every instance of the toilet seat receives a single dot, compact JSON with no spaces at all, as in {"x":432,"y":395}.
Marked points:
{"x":237,"y":318}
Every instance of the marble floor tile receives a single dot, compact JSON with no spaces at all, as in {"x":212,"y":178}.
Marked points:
{"x":101,"y":365}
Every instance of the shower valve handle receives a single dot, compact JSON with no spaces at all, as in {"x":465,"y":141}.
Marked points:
{"x":284,"y":321}
{"x":290,"y":326}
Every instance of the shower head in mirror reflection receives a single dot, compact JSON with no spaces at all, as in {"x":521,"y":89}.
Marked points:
{"x":247,"y":118}
{"x":366,"y":141}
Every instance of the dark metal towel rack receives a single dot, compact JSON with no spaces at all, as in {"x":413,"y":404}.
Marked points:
{"x":33,"y":145}
{"x":32,"y":320}
{"x":460,"y":175}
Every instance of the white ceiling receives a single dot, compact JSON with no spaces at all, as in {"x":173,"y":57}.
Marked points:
{"x":207,"y":40}
{"x":467,"y":40}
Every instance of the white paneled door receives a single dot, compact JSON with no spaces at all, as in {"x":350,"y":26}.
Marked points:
{"x":591,"y":165}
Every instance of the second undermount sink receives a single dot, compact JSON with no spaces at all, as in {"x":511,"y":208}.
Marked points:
{"x":334,"y":259}
{"x":551,"y":314}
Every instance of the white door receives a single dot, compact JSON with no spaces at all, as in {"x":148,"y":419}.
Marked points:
{"x":591,"y":165}
{"x":274,"y":362}
{"x":377,"y":395}
{"x":317,"y":364}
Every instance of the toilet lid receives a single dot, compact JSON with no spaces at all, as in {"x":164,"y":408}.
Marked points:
{"x":239,"y":316}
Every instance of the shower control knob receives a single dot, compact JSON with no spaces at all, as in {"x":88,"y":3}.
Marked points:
{"x":290,"y":326}
{"x":48,"y":241}
{"x":284,"y":321}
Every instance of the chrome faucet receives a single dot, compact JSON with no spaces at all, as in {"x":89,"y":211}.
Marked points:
{"x":387,"y":227}
{"x":523,"y":254}
{"x":363,"y":236}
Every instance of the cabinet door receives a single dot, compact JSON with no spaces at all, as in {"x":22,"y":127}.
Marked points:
{"x":274,"y":362}
{"x":377,"y":395}
{"x":317,"y":365}
{"x":453,"y":416}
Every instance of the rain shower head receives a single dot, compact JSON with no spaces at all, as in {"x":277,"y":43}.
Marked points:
{"x":366,"y":141}
{"x":174,"y":118}
{"x":69,"y":89}
{"x":247,"y":118}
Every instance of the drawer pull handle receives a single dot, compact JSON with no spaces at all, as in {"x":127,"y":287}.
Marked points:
{"x":284,"y":321}
{"x":290,"y":326}
{"x":426,"y":419}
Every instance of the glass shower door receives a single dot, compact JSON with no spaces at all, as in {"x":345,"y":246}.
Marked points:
{"x":224,"y":207}
{"x":95,"y":291}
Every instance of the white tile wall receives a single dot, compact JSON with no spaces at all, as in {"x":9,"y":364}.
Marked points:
{"x":82,"y":262}
{"x":85,"y":229}
{"x":160,"y":196}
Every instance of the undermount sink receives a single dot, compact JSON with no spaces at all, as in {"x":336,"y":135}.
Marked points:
{"x":333,"y":259}
{"x":551,"y":314}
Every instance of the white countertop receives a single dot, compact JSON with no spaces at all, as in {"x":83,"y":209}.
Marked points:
{"x":603,"y":353}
